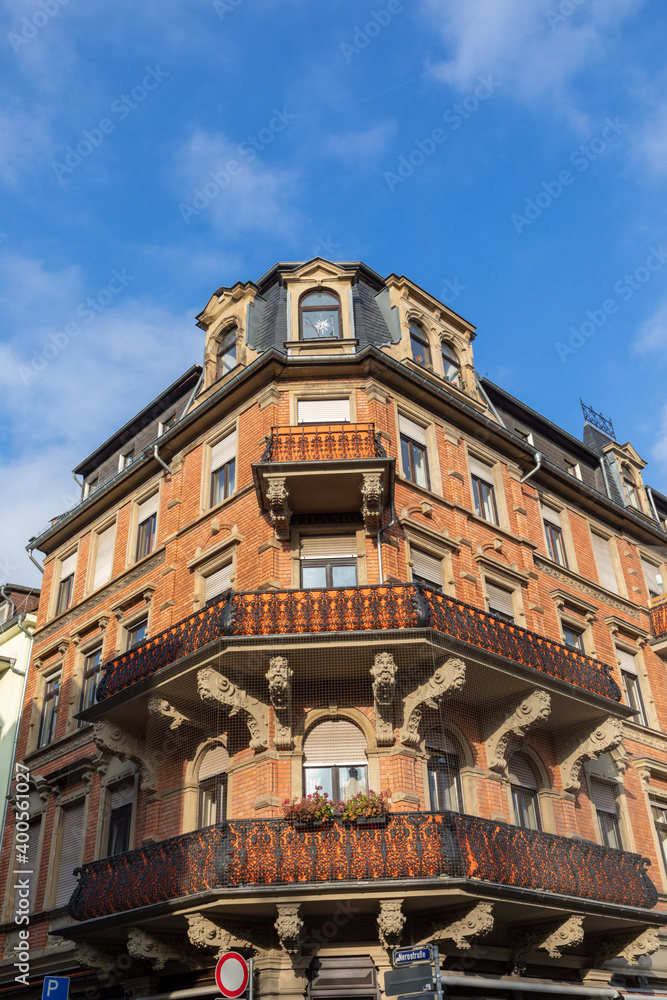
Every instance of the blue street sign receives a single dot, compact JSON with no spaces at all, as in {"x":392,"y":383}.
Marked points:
{"x":403,"y":956}
{"x":55,"y":988}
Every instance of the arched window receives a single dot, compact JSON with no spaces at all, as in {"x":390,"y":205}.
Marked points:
{"x":524,"y":782}
{"x":444,"y":780}
{"x":419,"y":345}
{"x":630,"y":487}
{"x":451,"y":365}
{"x":334,"y":759}
{"x":226,"y":356}
{"x":319,"y":316}
{"x":213,"y":786}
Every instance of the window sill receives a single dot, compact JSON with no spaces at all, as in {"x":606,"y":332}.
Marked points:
{"x":400,"y":478}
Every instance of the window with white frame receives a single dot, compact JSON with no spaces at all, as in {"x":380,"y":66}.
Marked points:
{"x":146,"y":526}
{"x":105,"y":542}
{"x":166,"y":424}
{"x":630,"y":487}
{"x":319,"y":316}
{"x":653,"y":579}
{"x":328,"y":561}
{"x":525,"y":786}
{"x":426,"y":569}
{"x":136,"y":632}
{"x":217,"y":582}
{"x":223,"y":469}
{"x":451,"y":365}
{"x":71,"y":844}
{"x":414,"y":453}
{"x":334,"y":759}
{"x":573,"y":468}
{"x":483,"y":490}
{"x":443,"y":769}
{"x":48,"y":719}
{"x":573,"y":636}
{"x":553,"y":531}
{"x":603,"y":797}
{"x":604,"y":562}
{"x":126,"y":459}
{"x":213,"y":786}
{"x":90,"y":678}
{"x":66,"y":583}
{"x":500,"y":602}
{"x":632,"y":685}
{"x":659,"y":813}
{"x":323,"y":411}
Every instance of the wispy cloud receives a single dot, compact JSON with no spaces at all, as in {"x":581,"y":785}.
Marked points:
{"x":360,"y":148}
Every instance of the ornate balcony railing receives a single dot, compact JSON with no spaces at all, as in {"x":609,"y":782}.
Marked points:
{"x":659,"y":617}
{"x":357,"y":609}
{"x":246,"y":853}
{"x":323,"y":443}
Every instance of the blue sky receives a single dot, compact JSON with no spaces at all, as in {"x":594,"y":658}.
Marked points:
{"x":509,"y":156}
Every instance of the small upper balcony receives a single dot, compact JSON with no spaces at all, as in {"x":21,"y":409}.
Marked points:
{"x":658,"y":607}
{"x":324,"y":468}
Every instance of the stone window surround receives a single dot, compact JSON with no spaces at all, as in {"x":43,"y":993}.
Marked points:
{"x":433,"y":543}
{"x":549,"y":500}
{"x":230,"y":425}
{"x":95,"y":532}
{"x":402,"y":407}
{"x":126,"y":773}
{"x":592,"y":769}
{"x":328,"y":390}
{"x":131,"y":547}
{"x":69,"y":550}
{"x":486,"y":456}
{"x":212,"y":559}
{"x":300,"y":531}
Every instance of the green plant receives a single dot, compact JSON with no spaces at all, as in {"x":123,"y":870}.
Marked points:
{"x":310,"y":808}
{"x":368,"y":805}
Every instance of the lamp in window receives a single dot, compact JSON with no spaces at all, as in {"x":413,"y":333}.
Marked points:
{"x":319,"y":316}
{"x":226,"y":356}
{"x":419,"y":345}
{"x":450,"y":365}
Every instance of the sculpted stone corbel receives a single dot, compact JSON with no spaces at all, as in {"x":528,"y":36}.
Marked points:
{"x":371,"y":507}
{"x":213,"y":686}
{"x":587,"y":745}
{"x":277,"y":497}
{"x":221,"y":934}
{"x":391,"y":921}
{"x":515,"y":721}
{"x":461,"y":925}
{"x":163,"y":709}
{"x":551,"y":936}
{"x":446,"y":680}
{"x":94,"y":956}
{"x":383,"y":673}
{"x":158,"y":949}
{"x":630,"y":945}
{"x":289,"y":926}
{"x":279,"y":676}
{"x":117,"y":741}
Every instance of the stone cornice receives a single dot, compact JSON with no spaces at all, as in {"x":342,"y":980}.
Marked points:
{"x":587,"y":587}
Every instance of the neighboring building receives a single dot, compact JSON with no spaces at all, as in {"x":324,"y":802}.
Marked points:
{"x":335,"y":558}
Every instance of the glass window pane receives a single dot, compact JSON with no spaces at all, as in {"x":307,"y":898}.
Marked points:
{"x":319,"y":299}
{"x":313,"y":576}
{"x":320,"y":323}
{"x":352,"y":780}
{"x":319,"y":777}
{"x":419,"y":459}
{"x":344,"y":576}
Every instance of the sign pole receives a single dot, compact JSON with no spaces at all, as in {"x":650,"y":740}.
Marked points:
{"x":438,"y":977}
{"x":251,"y":984}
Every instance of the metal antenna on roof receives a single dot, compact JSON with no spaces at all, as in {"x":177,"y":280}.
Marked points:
{"x":597,"y":420}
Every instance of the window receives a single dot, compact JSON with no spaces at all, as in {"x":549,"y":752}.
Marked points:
{"x":500,"y":601}
{"x":653,"y":579}
{"x":659,"y":810}
{"x":126,"y":459}
{"x":553,"y":530}
{"x":524,"y":435}
{"x":605,"y":563}
{"x":631,"y":686}
{"x":104,"y":556}
{"x":483,"y":490}
{"x":419,"y":345}
{"x":414,"y":457}
{"x":218,"y":582}
{"x":450,"y":365}
{"x":223,"y":469}
{"x":66,"y":585}
{"x":226,"y":356}
{"x":92,"y":668}
{"x":444,"y":781}
{"x":49,"y":716}
{"x":630,"y":487}
{"x":319,"y":315}
{"x":91,"y":486}
{"x":136,"y":633}
{"x":603,"y":795}
{"x":71,"y":842}
{"x":323,"y":411}
{"x":524,"y":784}
{"x":573,"y":468}
{"x":147,"y":524}
{"x":329,"y":561}
{"x":213,"y":786}
{"x":573,"y":637}
{"x":426,"y":569}
{"x":166,"y":424}
{"x":120,"y":818}
{"x":335,"y":760}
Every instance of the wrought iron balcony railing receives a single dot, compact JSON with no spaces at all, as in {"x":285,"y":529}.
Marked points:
{"x":249,"y":852}
{"x":659,"y":617}
{"x":323,"y":443}
{"x":357,"y":609}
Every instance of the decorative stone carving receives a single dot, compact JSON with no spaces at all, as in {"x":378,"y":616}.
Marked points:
{"x":158,"y":949}
{"x":279,"y":676}
{"x":587,"y":745}
{"x":462,"y":925}
{"x":94,"y":956}
{"x":391,"y":921}
{"x":531,"y":710}
{"x":290,"y":927}
{"x":277,"y":497}
{"x":371,"y":507}
{"x":383,"y":673}
{"x":221,"y":934}
{"x":121,"y":744}
{"x":552,"y":937}
{"x":446,"y":680}
{"x":630,"y":945}
{"x":213,"y":686}
{"x":161,"y":707}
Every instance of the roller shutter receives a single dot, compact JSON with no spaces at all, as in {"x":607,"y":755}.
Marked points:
{"x":334,"y":742}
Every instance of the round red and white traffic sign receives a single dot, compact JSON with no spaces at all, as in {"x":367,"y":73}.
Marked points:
{"x":232,"y":974}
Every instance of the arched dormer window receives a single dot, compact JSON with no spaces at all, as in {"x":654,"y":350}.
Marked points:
{"x":213,"y":786}
{"x":443,"y":767}
{"x":226,"y":355}
{"x":451,"y":365}
{"x":630,"y":487}
{"x":525,"y":785}
{"x":334,"y":759}
{"x":319,"y":316}
{"x":419,"y":345}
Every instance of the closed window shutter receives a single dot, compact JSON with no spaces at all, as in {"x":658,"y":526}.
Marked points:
{"x":552,"y":516}
{"x":214,"y":762}
{"x":500,"y":600}
{"x":334,"y":742}
{"x":521,"y":772}
{"x":104,"y":557}
{"x":70,"y":852}
{"x":605,"y":564}
{"x":604,"y":795}
{"x":68,"y":566}
{"x":427,"y":567}
{"x":323,"y":411}
{"x":122,"y":795}
{"x":218,"y":582}
{"x":628,"y":662}
{"x":651,"y":573}
{"x":148,"y":508}
{"x":480,"y":469}
{"x":224,"y":451}
{"x":31,"y":855}
{"x":412,"y":430}
{"x":329,"y":547}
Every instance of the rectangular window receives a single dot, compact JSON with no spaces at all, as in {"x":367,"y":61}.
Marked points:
{"x":323,"y":411}
{"x":659,"y":810}
{"x":524,"y":435}
{"x":136,"y":633}
{"x":414,"y":456}
{"x":91,"y":486}
{"x":631,"y":686}
{"x":49,"y":716}
{"x":126,"y":459}
{"x":223,"y":468}
{"x":217,"y":583}
{"x":573,"y":468}
{"x":66,"y":584}
{"x":553,"y":530}
{"x":166,"y":424}
{"x":71,"y":842}
{"x":653,"y":579}
{"x":605,"y":563}
{"x":104,"y":556}
{"x":92,"y":669}
{"x":34,"y":831}
{"x":146,"y":526}
{"x":573,"y":637}
{"x":603,"y":794}
{"x":426,"y":569}
{"x":329,"y":562}
{"x":483,"y":490}
{"x":500,"y":602}
{"x":120,"y":819}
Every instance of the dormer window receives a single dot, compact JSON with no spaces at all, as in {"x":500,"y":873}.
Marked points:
{"x":450,"y":365}
{"x":630,"y":487}
{"x":226,"y":356}
{"x":419,"y":345}
{"x":319,"y":316}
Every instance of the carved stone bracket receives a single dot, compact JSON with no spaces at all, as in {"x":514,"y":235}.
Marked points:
{"x":391,"y":921}
{"x":371,"y":507}
{"x":552,"y":937}
{"x":383,"y":673}
{"x":462,"y":925}
{"x":221,"y":934}
{"x":94,"y":956}
{"x":587,"y":745}
{"x":277,"y":497}
{"x":213,"y":686}
{"x":446,"y":680}
{"x":515,"y":721}
{"x":163,"y":709}
{"x":279,"y":676}
{"x":630,"y":945}
{"x":158,"y":949}
{"x":121,"y":744}
{"x":289,"y":926}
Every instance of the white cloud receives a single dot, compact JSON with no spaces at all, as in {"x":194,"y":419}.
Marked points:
{"x":652,"y":335}
{"x":357,"y":148}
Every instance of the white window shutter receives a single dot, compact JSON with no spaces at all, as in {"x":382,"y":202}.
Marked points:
{"x":334,"y":742}
{"x":70,"y":852}
{"x":627,"y":661}
{"x":148,"y":508}
{"x":412,"y":430}
{"x":216,"y":761}
{"x":651,"y":574}
{"x":427,"y":567}
{"x":605,"y":564}
{"x":224,"y":451}
{"x":218,"y":582}
{"x":323,"y":411}
{"x":481,"y":470}
{"x":68,"y":566}
{"x":603,"y":794}
{"x":500,"y":600}
{"x":328,"y":547}
{"x":104,"y":556}
{"x":552,"y":516}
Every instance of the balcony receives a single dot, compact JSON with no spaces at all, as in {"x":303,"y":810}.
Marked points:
{"x":248,"y":853}
{"x":387,"y":608}
{"x":658,"y":606}
{"x":324,"y":468}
